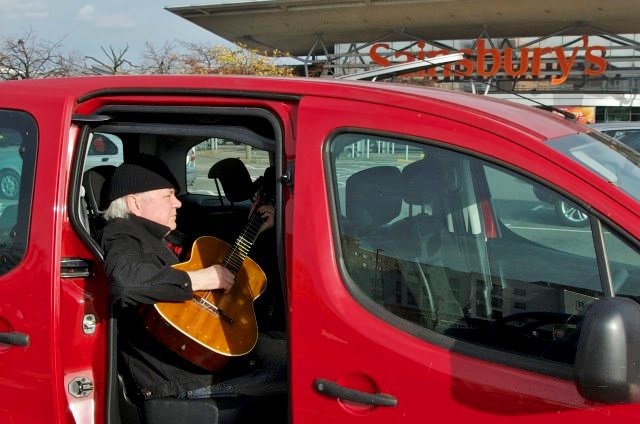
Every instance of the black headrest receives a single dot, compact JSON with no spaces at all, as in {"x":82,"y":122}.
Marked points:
{"x":373,"y":196}
{"x":235,"y":179}
{"x":421,"y":181}
{"x":96,"y":191}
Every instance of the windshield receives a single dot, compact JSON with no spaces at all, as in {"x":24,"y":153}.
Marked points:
{"x":616,"y":163}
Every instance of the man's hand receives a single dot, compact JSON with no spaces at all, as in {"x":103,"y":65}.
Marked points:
{"x":212,"y":278}
{"x":267,"y":212}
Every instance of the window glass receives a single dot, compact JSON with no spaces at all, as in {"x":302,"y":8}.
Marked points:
{"x":18,"y":136}
{"x":104,"y":149}
{"x":222,"y":179}
{"x":613,"y":161}
{"x":462,"y":247}
{"x":624,"y":264}
{"x":208,"y":153}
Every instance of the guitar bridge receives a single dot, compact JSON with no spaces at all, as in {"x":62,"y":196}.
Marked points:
{"x":212,"y":308}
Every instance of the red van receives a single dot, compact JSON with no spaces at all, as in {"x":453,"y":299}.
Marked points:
{"x":413,"y":268}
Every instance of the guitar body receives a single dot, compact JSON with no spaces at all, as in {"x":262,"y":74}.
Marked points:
{"x":213,"y":326}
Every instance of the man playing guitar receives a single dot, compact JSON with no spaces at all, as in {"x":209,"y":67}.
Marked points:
{"x":143,"y":271}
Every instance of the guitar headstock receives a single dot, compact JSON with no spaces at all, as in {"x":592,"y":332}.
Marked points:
{"x":266,"y":192}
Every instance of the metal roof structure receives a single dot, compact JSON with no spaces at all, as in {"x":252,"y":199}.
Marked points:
{"x":297,"y":26}
{"x":402,"y":68}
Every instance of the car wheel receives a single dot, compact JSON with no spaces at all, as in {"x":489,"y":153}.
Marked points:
{"x":9,"y":184}
{"x":570,"y":215}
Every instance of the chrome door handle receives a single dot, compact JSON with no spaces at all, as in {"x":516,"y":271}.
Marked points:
{"x":333,"y":389}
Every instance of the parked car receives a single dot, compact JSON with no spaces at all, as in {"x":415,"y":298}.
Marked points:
{"x":566,"y":211}
{"x":10,"y":165}
{"x":421,"y":283}
{"x":626,"y":132}
{"x":617,"y":129}
{"x":104,"y":149}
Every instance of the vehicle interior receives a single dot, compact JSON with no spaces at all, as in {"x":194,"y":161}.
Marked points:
{"x":233,"y":153}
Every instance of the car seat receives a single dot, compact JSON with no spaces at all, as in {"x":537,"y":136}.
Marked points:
{"x":425,"y":239}
{"x":95,"y":195}
{"x":372,"y":200}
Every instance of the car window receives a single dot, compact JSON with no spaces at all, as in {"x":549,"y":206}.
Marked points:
{"x":465,"y":248}
{"x":205,"y":155}
{"x":18,"y":137}
{"x":613,"y":161}
{"x":104,"y":149}
{"x":621,"y":132}
{"x":631,"y":139}
{"x":624,"y":260}
{"x":101,"y":145}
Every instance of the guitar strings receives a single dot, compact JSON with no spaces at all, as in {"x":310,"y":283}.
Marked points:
{"x":240,"y":249}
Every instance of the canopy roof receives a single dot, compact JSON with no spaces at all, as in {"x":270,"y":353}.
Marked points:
{"x":293,"y":25}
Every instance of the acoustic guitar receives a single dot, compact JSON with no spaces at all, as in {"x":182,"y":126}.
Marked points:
{"x":214,"y":326}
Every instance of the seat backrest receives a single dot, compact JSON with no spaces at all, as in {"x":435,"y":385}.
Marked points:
{"x":427,"y":240}
{"x":94,"y":182}
{"x":422,"y":184}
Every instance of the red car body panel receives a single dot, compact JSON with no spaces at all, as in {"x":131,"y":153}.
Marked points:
{"x":332,"y":336}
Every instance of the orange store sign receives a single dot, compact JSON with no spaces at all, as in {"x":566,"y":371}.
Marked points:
{"x":515,"y":62}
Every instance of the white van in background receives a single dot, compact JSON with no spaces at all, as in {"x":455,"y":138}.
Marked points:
{"x":104,"y":149}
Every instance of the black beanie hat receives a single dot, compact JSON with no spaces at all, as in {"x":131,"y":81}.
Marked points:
{"x":147,"y":174}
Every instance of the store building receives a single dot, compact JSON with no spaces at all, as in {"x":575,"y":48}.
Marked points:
{"x":580,"y":55}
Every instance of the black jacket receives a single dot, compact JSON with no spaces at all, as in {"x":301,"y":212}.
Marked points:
{"x":138,"y":266}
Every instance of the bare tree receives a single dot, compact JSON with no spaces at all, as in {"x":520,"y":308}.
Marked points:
{"x":28,"y":57}
{"x":69,"y":65}
{"x":161,"y":60}
{"x":114,"y":64}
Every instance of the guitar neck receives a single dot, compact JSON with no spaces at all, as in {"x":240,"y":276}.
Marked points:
{"x":244,"y":242}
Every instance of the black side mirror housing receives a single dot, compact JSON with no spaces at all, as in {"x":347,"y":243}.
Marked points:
{"x":607,"y":365}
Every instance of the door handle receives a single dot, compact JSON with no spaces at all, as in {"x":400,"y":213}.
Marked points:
{"x":15,"y":339}
{"x":333,"y":389}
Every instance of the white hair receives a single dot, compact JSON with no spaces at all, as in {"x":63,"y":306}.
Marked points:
{"x":118,"y":208}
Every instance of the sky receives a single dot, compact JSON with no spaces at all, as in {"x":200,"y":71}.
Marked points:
{"x":85,"y":25}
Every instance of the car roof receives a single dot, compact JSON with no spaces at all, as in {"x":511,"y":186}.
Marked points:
{"x":474,"y":109}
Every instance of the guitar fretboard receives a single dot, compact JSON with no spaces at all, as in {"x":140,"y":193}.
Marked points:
{"x":244,"y":242}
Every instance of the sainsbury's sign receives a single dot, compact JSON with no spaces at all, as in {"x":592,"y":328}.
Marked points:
{"x":514,"y":62}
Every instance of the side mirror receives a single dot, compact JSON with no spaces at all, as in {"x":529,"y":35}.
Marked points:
{"x":607,"y":365}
